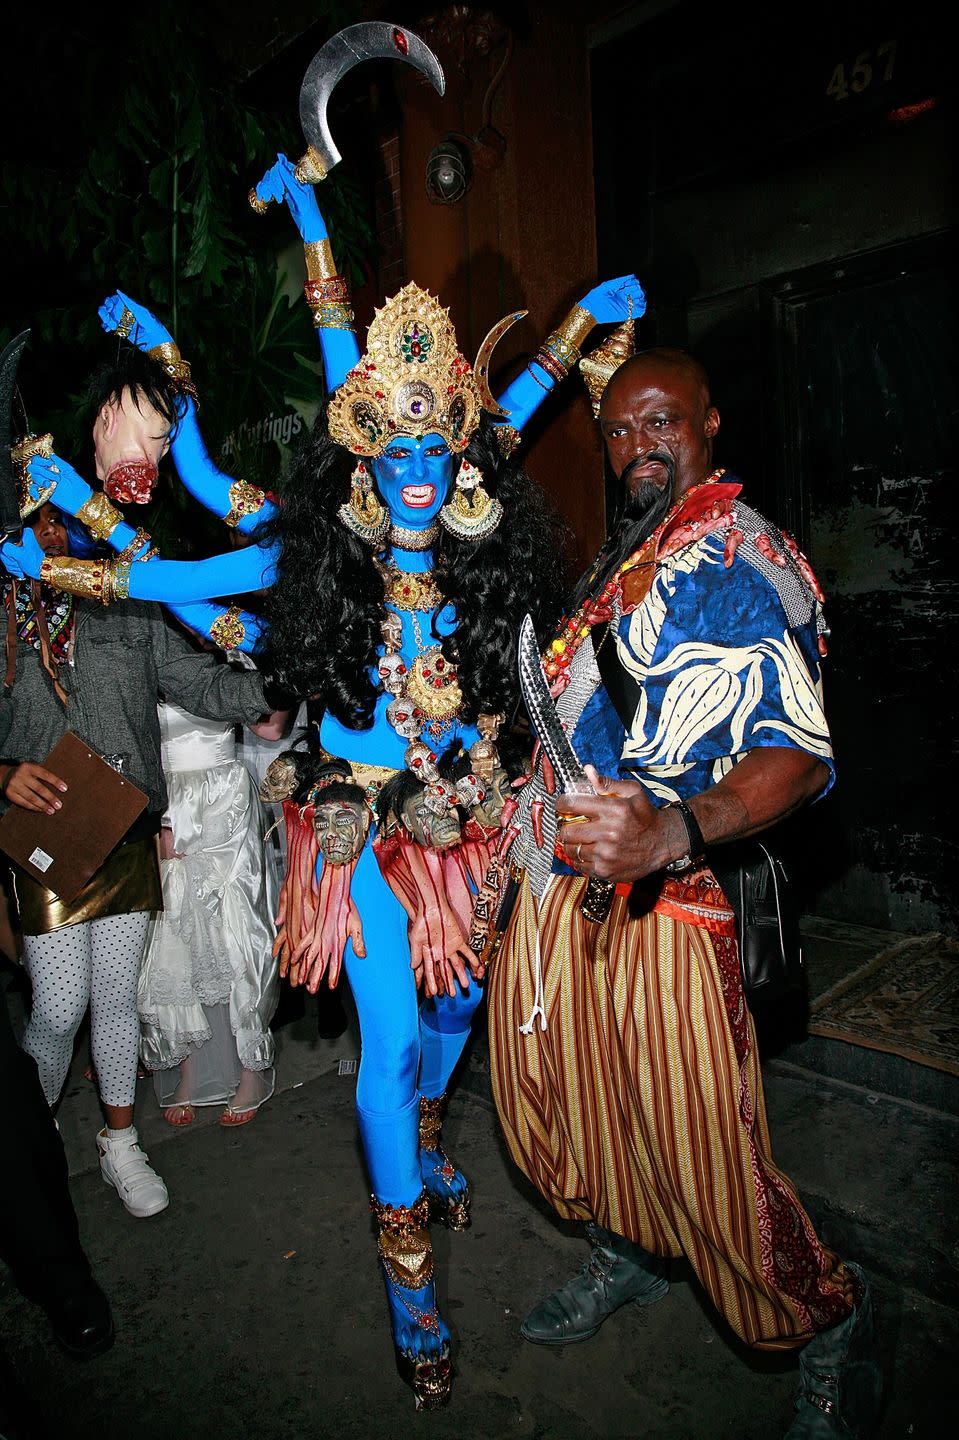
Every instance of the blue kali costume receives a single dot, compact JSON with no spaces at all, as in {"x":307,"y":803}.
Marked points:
{"x":406,"y":410}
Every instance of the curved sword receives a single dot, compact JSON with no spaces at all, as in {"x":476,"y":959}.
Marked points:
{"x":370,"y":40}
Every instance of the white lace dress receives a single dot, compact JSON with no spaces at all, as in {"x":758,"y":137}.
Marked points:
{"x":208,"y":984}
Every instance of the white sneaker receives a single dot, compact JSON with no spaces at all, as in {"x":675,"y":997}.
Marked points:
{"x":124,"y":1166}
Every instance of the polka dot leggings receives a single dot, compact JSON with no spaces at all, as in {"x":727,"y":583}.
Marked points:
{"x":96,"y":963}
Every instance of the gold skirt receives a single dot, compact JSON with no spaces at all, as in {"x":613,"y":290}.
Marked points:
{"x":128,"y":880}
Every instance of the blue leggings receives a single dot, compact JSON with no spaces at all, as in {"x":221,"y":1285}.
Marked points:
{"x":409,"y":1048}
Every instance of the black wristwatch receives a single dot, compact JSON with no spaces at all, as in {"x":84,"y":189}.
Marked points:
{"x":696,"y":850}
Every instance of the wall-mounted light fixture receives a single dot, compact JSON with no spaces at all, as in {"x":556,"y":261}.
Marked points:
{"x":449,"y":170}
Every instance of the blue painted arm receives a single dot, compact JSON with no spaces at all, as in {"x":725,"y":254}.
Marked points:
{"x":236,"y":572}
{"x":603,"y":304}
{"x":201,"y":476}
{"x":231,"y":629}
{"x":339,"y":347}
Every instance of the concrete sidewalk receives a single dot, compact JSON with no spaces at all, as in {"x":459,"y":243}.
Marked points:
{"x":253,"y":1309}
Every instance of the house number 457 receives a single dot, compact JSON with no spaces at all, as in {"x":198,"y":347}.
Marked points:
{"x":870,"y":67}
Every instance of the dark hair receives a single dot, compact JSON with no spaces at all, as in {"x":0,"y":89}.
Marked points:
{"x":145,"y":378}
{"x":325,"y":608}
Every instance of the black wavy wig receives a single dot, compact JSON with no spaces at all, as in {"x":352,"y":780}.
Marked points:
{"x":325,"y":608}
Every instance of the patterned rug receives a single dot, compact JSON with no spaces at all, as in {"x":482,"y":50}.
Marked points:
{"x":904,"y":1001}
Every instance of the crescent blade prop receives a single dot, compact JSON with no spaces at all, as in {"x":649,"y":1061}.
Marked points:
{"x":483,"y":356}
{"x":370,"y":40}
{"x":11,"y":523}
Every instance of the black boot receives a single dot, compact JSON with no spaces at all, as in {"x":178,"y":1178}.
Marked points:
{"x":616,"y":1272}
{"x":840,"y":1381}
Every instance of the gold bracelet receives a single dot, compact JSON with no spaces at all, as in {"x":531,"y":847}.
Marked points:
{"x":174,"y":365}
{"x":131,"y":550}
{"x":245,"y":499}
{"x":99,"y":516}
{"x":332,"y":316}
{"x":334,"y":288}
{"x":86,"y":578}
{"x":117,"y":583}
{"x":320,"y":264}
{"x":574,"y":329}
{"x":228,"y":630}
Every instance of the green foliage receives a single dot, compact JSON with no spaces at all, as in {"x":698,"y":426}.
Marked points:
{"x":152,"y":200}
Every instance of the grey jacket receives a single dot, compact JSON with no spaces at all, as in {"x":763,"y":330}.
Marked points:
{"x":124,"y":659}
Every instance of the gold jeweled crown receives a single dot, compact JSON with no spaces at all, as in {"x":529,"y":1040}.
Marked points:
{"x":411,"y":381}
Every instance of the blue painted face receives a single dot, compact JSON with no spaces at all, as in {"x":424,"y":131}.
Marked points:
{"x":413,"y":478}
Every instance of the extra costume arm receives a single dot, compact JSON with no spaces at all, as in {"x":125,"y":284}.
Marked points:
{"x":236,"y":502}
{"x":229,"y":629}
{"x":613,"y":300}
{"x":202,"y":683}
{"x":173,"y":582}
{"x":326,"y":291}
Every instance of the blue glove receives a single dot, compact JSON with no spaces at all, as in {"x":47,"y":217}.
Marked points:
{"x":280,"y":183}
{"x":609,"y":301}
{"x":23,"y":561}
{"x":145,"y":334}
{"x":71,"y":491}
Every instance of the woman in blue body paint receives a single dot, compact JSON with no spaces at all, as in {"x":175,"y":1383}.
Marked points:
{"x":408,"y":548}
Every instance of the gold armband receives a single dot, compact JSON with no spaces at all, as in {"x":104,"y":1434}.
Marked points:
{"x":320,"y":264}
{"x":560,"y":351}
{"x":87,"y":578}
{"x":228,"y":630}
{"x":99,"y":516}
{"x":245,"y":499}
{"x":332,"y":315}
{"x":574,"y":329}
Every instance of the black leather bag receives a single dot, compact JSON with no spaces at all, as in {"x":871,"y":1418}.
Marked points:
{"x":763,"y":899}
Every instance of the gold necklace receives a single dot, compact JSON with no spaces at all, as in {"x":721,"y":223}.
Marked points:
{"x":408,"y":589}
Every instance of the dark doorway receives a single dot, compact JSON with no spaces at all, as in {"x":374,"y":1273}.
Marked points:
{"x":870,"y":394}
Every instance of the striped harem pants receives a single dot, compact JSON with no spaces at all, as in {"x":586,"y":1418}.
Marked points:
{"x":640,"y":1105}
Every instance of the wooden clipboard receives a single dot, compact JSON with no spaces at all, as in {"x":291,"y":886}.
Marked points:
{"x":62,"y":851}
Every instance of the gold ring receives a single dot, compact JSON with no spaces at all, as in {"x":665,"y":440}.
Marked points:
{"x":260,"y":206}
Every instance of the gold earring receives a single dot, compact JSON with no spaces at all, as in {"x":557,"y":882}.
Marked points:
{"x":364,"y":514}
{"x":473,"y":512}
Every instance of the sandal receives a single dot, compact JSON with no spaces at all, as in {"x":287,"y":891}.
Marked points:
{"x":179,"y":1114}
{"x":237,"y":1117}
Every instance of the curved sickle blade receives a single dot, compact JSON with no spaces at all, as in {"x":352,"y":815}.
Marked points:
{"x":11,"y":525}
{"x":483,"y":356}
{"x":371,"y":40}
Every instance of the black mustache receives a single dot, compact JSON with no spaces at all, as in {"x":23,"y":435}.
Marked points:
{"x":638,"y":460}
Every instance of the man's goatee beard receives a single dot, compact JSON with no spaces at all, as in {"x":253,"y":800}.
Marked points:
{"x":647,"y":500}
{"x":639,"y":516}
